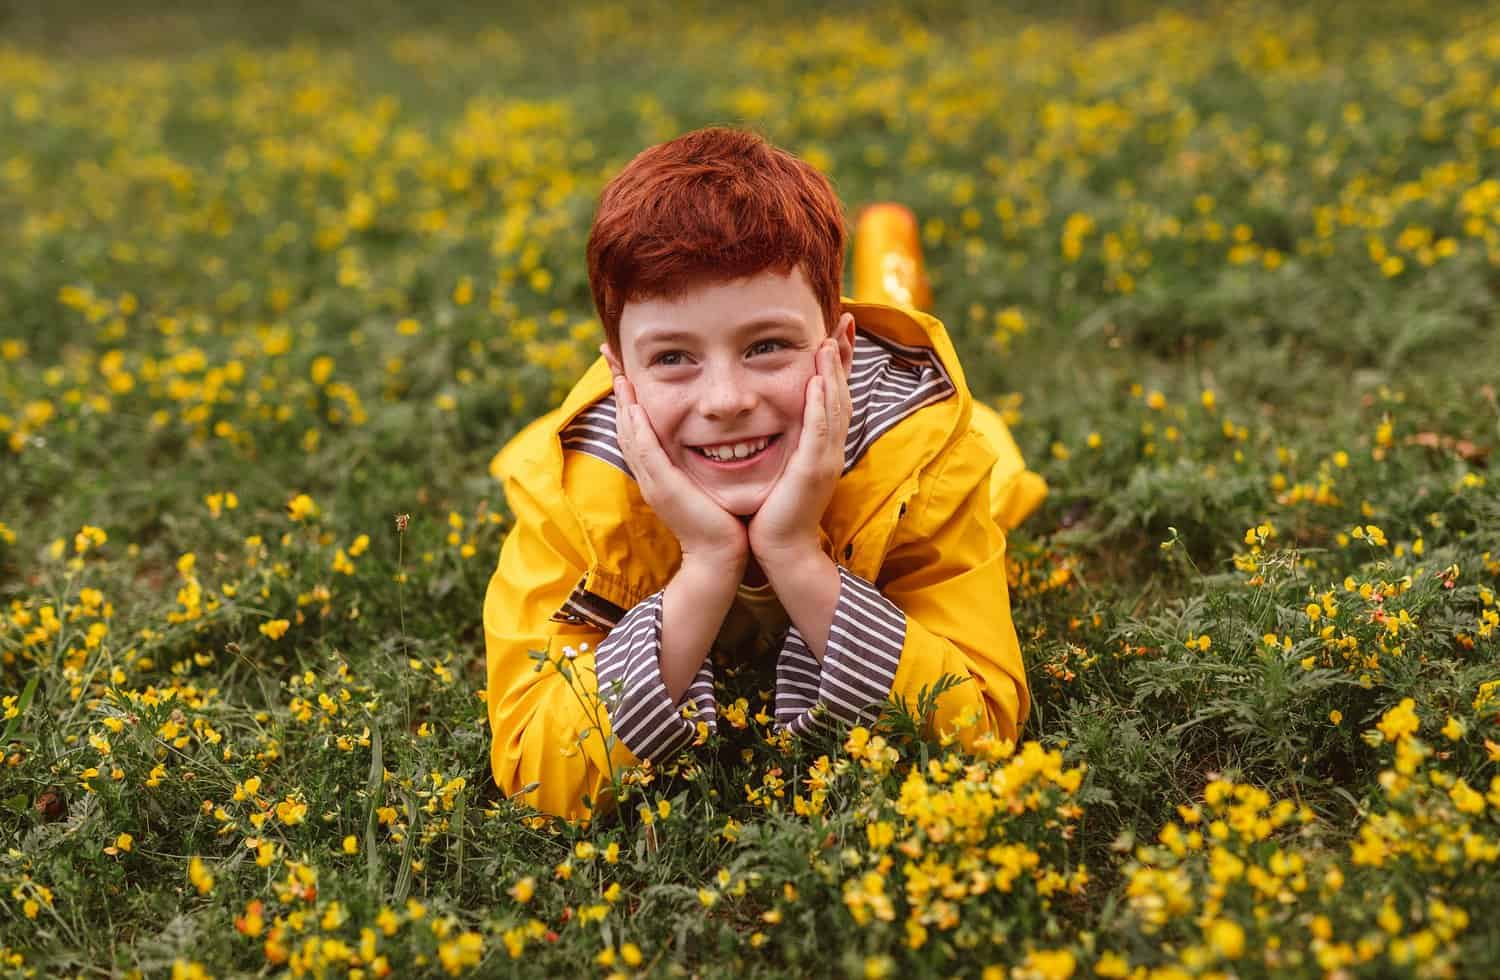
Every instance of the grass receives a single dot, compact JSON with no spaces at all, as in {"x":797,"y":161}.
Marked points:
{"x":274,"y":278}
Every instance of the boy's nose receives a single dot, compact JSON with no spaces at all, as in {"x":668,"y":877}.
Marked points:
{"x":725,"y":395}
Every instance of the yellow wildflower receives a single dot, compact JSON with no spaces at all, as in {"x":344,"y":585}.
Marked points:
{"x":301,"y":507}
{"x":199,"y":876}
{"x":275,"y":629}
{"x":1400,"y":721}
{"x":1227,"y":938}
{"x":291,"y":812}
{"x":523,"y":890}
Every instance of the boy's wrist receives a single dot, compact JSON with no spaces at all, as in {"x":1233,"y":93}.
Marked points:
{"x":694,"y":604}
{"x":807,"y":582}
{"x":791,"y":558}
{"x":717,"y":573}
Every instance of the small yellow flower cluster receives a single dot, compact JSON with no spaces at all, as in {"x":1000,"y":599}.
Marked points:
{"x":334,"y":703}
{"x":33,"y":896}
{"x":199,"y":876}
{"x":88,"y":537}
{"x":959,"y":831}
{"x":309,"y":937}
{"x":1228,"y":882}
{"x":221,"y":501}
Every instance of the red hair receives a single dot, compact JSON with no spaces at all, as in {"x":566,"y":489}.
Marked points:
{"x":711,"y":206}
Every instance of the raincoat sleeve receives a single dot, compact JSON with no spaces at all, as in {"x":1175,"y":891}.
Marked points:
{"x":597,"y":704}
{"x":940,"y":607}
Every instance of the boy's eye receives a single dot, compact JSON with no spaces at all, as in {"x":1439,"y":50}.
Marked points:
{"x":766,"y":346}
{"x":676,"y":358}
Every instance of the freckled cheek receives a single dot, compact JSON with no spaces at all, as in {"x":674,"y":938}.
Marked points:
{"x":790,"y":396}
{"x":666,"y":412}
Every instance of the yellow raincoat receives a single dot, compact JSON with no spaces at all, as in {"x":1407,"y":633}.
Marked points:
{"x":920,"y":514}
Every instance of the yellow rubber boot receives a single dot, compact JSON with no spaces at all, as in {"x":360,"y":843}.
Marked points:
{"x":888,"y":268}
{"x":888,"y":265}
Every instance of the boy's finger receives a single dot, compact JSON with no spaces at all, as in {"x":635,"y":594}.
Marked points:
{"x":845,"y":399}
{"x":626,"y":437}
{"x":815,"y":419}
{"x":638,"y":443}
{"x":831,"y":387}
{"x":639,"y":457}
{"x":838,"y":428}
{"x":652,"y":457}
{"x":845,"y":404}
{"x":628,"y":429}
{"x":648,"y":448}
{"x":838,"y":385}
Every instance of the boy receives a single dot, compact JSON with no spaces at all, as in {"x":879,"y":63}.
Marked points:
{"x":751,"y":461}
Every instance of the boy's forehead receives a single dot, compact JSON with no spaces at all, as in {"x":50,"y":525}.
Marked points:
{"x":687,"y":329}
{"x":723,"y":309}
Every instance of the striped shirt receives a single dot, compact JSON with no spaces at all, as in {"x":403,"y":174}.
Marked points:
{"x":887,"y":383}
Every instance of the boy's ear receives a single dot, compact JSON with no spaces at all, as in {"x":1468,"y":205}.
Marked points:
{"x":614,"y":362}
{"x":843,"y":334}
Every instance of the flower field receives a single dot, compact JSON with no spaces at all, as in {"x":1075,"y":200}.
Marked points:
{"x":273,"y":293}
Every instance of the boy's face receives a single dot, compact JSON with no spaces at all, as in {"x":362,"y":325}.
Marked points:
{"x":724,"y":364}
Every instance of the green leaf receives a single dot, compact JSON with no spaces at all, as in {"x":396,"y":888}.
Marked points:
{"x":21,"y":706}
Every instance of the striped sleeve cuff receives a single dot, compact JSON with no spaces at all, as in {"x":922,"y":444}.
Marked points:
{"x":859,"y":665}
{"x":641,"y":712}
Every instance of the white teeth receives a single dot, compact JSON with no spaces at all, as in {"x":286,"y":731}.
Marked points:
{"x":738,"y":450}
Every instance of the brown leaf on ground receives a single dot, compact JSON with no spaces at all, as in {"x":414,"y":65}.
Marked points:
{"x":52,"y":805}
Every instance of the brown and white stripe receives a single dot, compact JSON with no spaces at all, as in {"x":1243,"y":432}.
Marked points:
{"x":582,"y":606}
{"x":859,"y":664}
{"x":593,"y":431}
{"x":642,"y":714}
{"x":887,"y":382}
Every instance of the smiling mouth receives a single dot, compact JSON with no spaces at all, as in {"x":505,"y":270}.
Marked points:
{"x":737,"y":451}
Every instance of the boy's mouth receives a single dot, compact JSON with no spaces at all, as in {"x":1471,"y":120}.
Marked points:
{"x":732,"y":453}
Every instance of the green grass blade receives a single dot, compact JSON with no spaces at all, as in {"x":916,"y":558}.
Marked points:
{"x":374,"y":791}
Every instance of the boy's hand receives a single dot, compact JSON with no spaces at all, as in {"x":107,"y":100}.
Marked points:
{"x":786,"y":526}
{"x":704,"y":530}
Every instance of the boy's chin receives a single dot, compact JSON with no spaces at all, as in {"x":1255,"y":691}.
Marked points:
{"x":741,"y":505}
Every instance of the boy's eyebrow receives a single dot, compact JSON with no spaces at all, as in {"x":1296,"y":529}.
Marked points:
{"x":650,"y":336}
